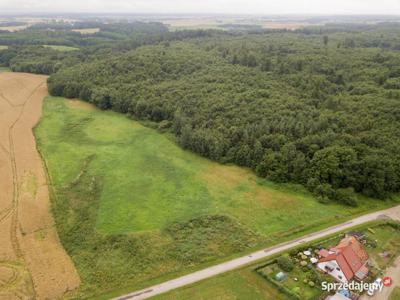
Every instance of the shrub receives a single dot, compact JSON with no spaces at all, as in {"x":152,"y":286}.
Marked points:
{"x":346,"y":196}
{"x":315,"y":276}
{"x":285,"y":263}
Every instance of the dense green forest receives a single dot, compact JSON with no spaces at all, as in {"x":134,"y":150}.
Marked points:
{"x":318,"y":106}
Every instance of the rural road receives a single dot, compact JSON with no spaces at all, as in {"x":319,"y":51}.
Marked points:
{"x":152,"y":291}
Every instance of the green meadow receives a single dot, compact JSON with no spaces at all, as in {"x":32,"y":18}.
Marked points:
{"x":241,"y":284}
{"x":3,"y":47}
{"x":395,"y":294}
{"x":61,"y":48}
{"x":130,"y":204}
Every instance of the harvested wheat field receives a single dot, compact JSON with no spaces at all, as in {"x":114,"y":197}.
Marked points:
{"x":87,"y":30}
{"x":33,"y":264}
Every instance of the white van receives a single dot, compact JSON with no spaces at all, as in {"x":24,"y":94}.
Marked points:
{"x":374,"y":287}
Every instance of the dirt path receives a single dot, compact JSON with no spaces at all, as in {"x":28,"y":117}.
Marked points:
{"x":152,"y":291}
{"x":33,"y":264}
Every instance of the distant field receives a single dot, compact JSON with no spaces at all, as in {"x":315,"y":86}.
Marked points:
{"x":14,"y":28}
{"x":129,"y":203}
{"x":61,"y":48}
{"x":192,"y":23}
{"x":87,"y":30}
{"x":3,"y":47}
{"x":285,"y":25}
{"x":215,"y":23}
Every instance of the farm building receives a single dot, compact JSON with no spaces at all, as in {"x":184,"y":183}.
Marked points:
{"x":346,"y":261}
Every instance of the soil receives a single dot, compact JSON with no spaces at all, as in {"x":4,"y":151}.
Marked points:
{"x":33,"y":263}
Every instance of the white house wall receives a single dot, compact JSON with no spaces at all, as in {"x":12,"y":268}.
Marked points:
{"x":335,"y":273}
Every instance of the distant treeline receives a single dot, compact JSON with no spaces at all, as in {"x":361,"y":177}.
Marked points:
{"x":26,"y":51}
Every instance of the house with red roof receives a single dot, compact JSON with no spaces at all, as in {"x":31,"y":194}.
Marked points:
{"x":346,"y":261}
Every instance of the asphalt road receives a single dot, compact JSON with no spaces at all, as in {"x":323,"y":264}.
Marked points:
{"x":152,"y":291}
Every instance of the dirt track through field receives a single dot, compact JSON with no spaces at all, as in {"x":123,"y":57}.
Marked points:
{"x":33,"y":264}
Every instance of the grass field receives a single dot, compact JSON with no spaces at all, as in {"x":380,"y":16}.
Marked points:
{"x":247,"y":283}
{"x":395,"y":295}
{"x":129,"y":203}
{"x":61,"y":48}
{"x":2,"y":47}
{"x":242,"y":284}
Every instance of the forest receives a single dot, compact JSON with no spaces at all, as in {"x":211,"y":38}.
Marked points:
{"x":317,"y":106}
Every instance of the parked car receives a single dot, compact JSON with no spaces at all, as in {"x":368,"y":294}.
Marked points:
{"x":374,"y":287}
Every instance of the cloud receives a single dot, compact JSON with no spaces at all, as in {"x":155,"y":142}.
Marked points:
{"x":205,"y":6}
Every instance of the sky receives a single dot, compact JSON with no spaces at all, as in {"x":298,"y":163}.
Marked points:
{"x":258,"y":7}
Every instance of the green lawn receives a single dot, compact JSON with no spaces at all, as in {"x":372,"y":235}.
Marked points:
{"x":295,"y":281}
{"x":395,"y":295}
{"x":387,"y":239}
{"x":3,"y":47}
{"x":61,"y":48}
{"x":243,"y":284}
{"x":129,"y":203}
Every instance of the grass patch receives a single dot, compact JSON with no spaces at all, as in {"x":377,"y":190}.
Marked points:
{"x":4,"y":69}
{"x":130,"y":204}
{"x":395,"y":295}
{"x":242,"y":284}
{"x":61,"y":48}
{"x":383,"y":240}
{"x":2,"y":47}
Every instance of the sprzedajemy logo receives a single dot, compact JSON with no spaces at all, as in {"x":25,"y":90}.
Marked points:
{"x":353,"y":286}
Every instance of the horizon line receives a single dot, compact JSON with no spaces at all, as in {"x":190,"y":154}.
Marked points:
{"x":102,"y":13}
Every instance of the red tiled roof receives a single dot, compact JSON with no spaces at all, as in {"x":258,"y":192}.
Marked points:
{"x":349,"y":255}
{"x":362,"y":273}
{"x":323,"y":253}
{"x":355,"y":245}
{"x":344,"y":266}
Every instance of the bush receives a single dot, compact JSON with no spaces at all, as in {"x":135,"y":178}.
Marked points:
{"x":370,"y":242}
{"x":315,"y":276}
{"x":346,"y":196}
{"x":285,"y":263}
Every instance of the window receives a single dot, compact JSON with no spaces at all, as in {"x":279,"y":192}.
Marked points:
{"x":340,"y":277}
